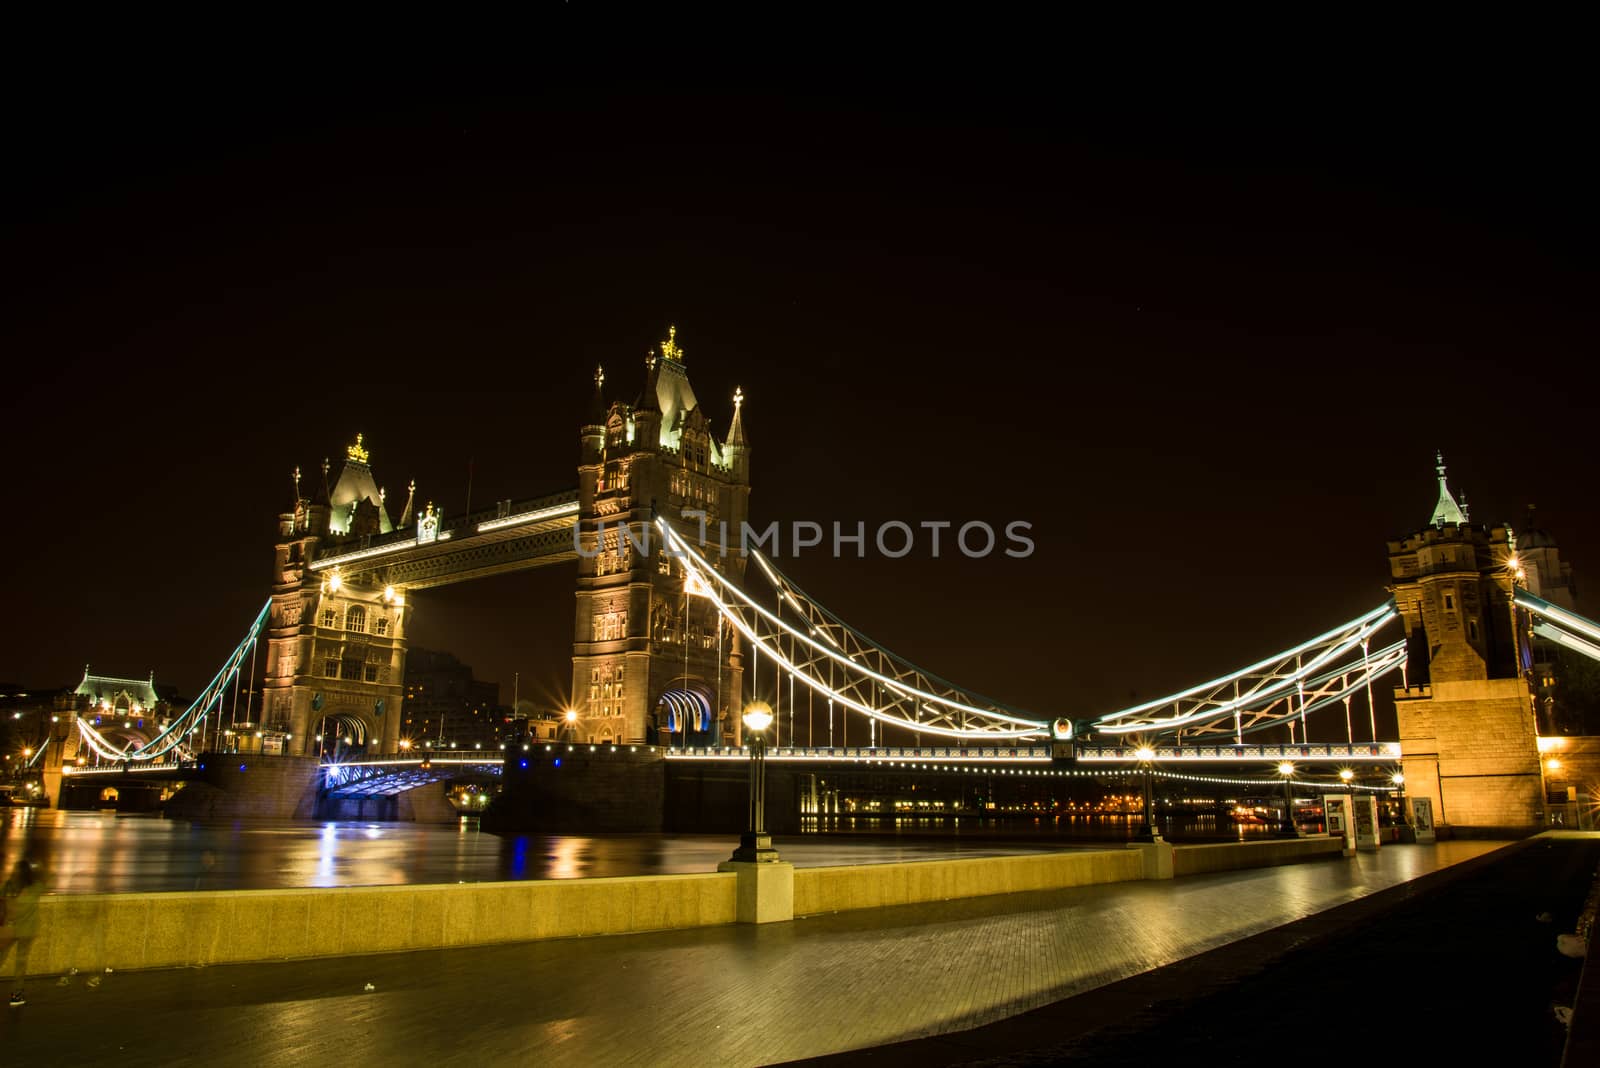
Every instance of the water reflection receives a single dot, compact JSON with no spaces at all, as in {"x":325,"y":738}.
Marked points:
{"x":93,"y":852}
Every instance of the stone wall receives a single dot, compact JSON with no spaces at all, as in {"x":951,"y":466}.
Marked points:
{"x":236,"y":786}
{"x":580,"y":788}
{"x":1470,"y":746}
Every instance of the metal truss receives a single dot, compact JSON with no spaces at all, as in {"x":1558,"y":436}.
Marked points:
{"x":820,"y":651}
{"x":186,"y":723}
{"x":389,"y":777}
{"x":1560,"y":625}
{"x":1329,"y":668}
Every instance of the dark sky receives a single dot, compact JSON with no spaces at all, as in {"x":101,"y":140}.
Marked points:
{"x":1204,"y":333}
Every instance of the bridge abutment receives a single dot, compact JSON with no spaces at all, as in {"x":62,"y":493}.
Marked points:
{"x":235,"y":786}
{"x":1468,"y":732}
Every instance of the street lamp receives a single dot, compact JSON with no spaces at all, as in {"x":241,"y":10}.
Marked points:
{"x":1147,"y":831}
{"x":572,"y":724}
{"x":1287,"y":829}
{"x":755,"y":844}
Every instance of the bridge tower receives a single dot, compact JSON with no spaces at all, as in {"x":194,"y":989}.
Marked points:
{"x":334,"y":648}
{"x":1466,"y":714}
{"x":649,"y":661}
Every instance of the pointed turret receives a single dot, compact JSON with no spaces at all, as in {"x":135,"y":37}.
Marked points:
{"x":736,"y":429}
{"x":411,"y":497}
{"x":357,"y":492}
{"x":1446,"y":511}
{"x":597,"y":406}
{"x":647,"y":413}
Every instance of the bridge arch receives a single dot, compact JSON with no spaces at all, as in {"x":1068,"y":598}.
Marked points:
{"x":347,"y":732}
{"x":685,"y":711}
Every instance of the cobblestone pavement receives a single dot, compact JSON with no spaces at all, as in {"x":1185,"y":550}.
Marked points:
{"x":724,"y":996}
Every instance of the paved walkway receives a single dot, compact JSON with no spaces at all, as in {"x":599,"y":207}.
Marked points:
{"x":726,"y":996}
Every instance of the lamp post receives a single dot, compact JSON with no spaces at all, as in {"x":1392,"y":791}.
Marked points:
{"x":755,"y":844}
{"x":1287,"y":829}
{"x":1147,"y":831}
{"x":572,"y":724}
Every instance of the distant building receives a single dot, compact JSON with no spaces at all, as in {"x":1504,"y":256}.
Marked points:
{"x":445,"y":704}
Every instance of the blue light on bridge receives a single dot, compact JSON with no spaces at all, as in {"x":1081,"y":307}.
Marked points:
{"x":558,"y":762}
{"x":524,"y":763}
{"x":241,"y":767}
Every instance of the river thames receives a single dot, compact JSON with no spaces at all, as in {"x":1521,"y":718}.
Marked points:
{"x":92,"y":852}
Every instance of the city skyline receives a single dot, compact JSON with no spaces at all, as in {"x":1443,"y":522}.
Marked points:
{"x":1214,"y":382}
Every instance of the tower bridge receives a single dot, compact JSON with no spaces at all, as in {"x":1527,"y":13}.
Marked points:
{"x":667,"y":628}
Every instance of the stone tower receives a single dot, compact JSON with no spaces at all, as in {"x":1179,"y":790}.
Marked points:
{"x":650,"y":663}
{"x":335,"y":650}
{"x":1466,"y":716}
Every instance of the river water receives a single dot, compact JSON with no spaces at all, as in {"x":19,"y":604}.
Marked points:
{"x":95,"y":852}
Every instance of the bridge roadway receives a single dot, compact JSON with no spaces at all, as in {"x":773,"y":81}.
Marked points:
{"x":726,"y":996}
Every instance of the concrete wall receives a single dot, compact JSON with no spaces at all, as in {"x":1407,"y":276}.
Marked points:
{"x":97,"y":931}
{"x":866,"y":886}
{"x":1229,"y":856}
{"x":122,"y":931}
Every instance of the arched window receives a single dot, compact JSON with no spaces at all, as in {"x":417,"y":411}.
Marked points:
{"x":356,"y":619}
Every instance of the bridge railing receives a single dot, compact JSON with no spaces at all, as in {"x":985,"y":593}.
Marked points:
{"x":129,"y":767}
{"x":1360,"y":751}
{"x":866,"y":752}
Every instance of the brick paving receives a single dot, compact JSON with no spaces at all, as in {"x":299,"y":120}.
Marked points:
{"x":725,"y":996}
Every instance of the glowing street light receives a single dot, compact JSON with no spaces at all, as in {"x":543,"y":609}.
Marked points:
{"x":1287,"y":829}
{"x":1346,"y":774}
{"x":1147,"y":831}
{"x":755,"y":844}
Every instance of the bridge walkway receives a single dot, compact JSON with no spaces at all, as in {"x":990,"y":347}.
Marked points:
{"x":732,"y":996}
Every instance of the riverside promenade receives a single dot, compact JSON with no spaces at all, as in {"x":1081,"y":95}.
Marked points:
{"x":734,"y":995}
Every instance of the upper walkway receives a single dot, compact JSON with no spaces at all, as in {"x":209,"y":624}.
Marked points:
{"x":729,"y":995}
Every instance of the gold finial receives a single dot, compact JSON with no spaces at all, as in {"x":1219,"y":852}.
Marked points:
{"x":297,"y":482}
{"x":738,"y":398}
{"x":599,"y":377}
{"x":356,"y":452}
{"x":669,"y":347}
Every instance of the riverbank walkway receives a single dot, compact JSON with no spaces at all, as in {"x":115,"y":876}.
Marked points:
{"x":728,"y":996}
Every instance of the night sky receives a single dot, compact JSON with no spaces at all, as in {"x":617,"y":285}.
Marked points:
{"x":1205,"y":337}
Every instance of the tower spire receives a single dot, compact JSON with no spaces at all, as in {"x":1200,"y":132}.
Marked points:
{"x":1446,"y":511}
{"x":411,"y":496}
{"x":736,"y":429}
{"x":669,"y":347}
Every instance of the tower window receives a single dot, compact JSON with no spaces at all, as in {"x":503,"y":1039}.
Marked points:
{"x":380,"y":626}
{"x":1449,"y":603}
{"x":330,"y":617}
{"x":356,"y":619}
{"x":1472,"y":629}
